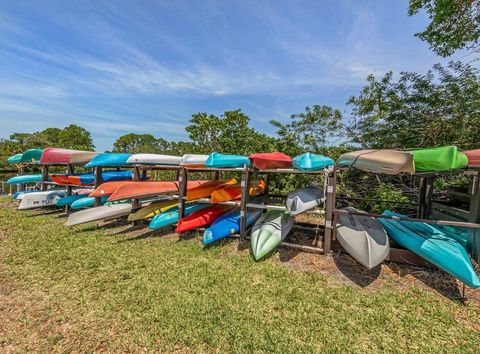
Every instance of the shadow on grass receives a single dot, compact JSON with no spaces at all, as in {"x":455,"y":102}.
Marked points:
{"x":42,"y":212}
{"x":354,"y":271}
{"x":148,"y":233}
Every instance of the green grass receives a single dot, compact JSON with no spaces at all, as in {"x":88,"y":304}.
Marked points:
{"x":88,"y":289}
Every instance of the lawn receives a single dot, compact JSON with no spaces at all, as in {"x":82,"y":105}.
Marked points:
{"x":117,"y":289}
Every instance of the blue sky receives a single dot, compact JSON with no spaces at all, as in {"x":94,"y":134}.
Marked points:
{"x":116,"y":67}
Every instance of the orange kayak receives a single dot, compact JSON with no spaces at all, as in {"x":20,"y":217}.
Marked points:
{"x":108,"y":188}
{"x":205,"y":190}
{"x":59,"y":178}
{"x":147,"y":189}
{"x":234,"y":191}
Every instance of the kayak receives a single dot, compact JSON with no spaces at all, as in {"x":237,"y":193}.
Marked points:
{"x":228,"y":224}
{"x":15,"y":159}
{"x":363,"y":237}
{"x":103,"y":212}
{"x":443,"y":158}
{"x":473,"y":157}
{"x":31,"y":156}
{"x":107,"y":176}
{"x":218,"y":160}
{"x":205,"y":189}
{"x":149,"y":211}
{"x":201,"y":218}
{"x":269,"y":231}
{"x":69,"y":199}
{"x":41,"y":199}
{"x":153,"y":159}
{"x":19,"y":195}
{"x":108,"y":160}
{"x":390,"y":162}
{"x":271,"y":160}
{"x":193,"y":160}
{"x":434,"y":245}
{"x":108,"y":188}
{"x":25,"y":179}
{"x":304,"y":199}
{"x":234,"y":191}
{"x":87,"y":202}
{"x":170,"y":216}
{"x":147,"y":189}
{"x":52,"y":156}
{"x":311,"y":162}
{"x":59,"y":178}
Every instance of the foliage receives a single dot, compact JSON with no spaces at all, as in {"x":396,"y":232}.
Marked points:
{"x":387,"y":192}
{"x":141,"y":143}
{"x":455,"y":24}
{"x":419,"y":110}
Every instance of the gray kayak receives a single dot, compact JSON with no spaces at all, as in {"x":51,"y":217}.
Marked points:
{"x":363,"y":237}
{"x":41,"y":199}
{"x":104,"y":212}
{"x":303,"y":199}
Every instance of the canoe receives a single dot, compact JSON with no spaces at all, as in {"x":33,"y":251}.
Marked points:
{"x":218,"y":160}
{"x":202,"y":218}
{"x":205,"y":189}
{"x":311,"y":162}
{"x":193,"y":160}
{"x":473,"y":157}
{"x":363,"y":237}
{"x":19,"y":195}
{"x":269,"y":231}
{"x":138,"y":190}
{"x":153,"y":159}
{"x":152,"y":209}
{"x":52,"y":156}
{"x":108,"y":188}
{"x":108,"y":160}
{"x":271,"y":160}
{"x":443,"y":158}
{"x":32,"y":156}
{"x":390,"y":162}
{"x":87,"y":202}
{"x":234,"y":191}
{"x":304,"y":199}
{"x":103,"y":212}
{"x":25,"y":179}
{"x":15,"y":159}
{"x":170,"y":216}
{"x":69,"y":199}
{"x":228,"y":224}
{"x":41,"y":199}
{"x":434,"y":245}
{"x":107,"y":176}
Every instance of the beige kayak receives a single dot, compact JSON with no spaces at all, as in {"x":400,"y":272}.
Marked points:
{"x":390,"y":162}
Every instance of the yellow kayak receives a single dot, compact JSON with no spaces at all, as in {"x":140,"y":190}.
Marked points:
{"x":152,"y":209}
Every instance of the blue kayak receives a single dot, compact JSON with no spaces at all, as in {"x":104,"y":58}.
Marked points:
{"x":70,"y":199}
{"x":16,"y":194}
{"x":228,"y":224}
{"x":435,"y":245}
{"x":170,"y":216}
{"x":25,"y":179}
{"x":219,"y":160}
{"x":311,"y":162}
{"x":87,"y":202}
{"x":108,"y":159}
{"x":107,"y":176}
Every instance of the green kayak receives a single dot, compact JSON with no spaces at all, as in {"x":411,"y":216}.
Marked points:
{"x":32,"y":155}
{"x":443,"y":158}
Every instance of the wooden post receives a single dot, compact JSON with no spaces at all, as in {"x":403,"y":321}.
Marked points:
{"x":428,"y":197}
{"x":136,"y":178}
{"x":70,"y":170}
{"x":44,"y":177}
{"x":267,"y":183}
{"x":98,"y":182}
{"x":182,"y":192}
{"x":330,"y":204}
{"x":21,"y":171}
{"x":473,"y":241}
{"x":245,"y":196}
{"x":216,"y":175}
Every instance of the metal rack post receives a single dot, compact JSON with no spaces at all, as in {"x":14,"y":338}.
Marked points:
{"x":330,"y":204}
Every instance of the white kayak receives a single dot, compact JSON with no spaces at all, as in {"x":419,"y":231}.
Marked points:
{"x":153,"y":159}
{"x":104,"y":212}
{"x":193,"y":160}
{"x":304,"y":199}
{"x":363,"y":237}
{"x":40,"y":199}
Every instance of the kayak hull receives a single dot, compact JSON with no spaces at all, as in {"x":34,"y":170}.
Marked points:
{"x":152,"y":209}
{"x":107,"y":188}
{"x":40,"y":199}
{"x":304,"y":199}
{"x":206,"y":189}
{"x":390,"y":162}
{"x":88,"y":202}
{"x":108,"y":160}
{"x":271,"y":160}
{"x":201,"y":218}
{"x":193,"y":160}
{"x":234,"y":192}
{"x":218,"y":160}
{"x":25,"y":179}
{"x":170,"y":216}
{"x":311,"y":162}
{"x":443,"y":158}
{"x":99,"y":213}
{"x":51,"y":156}
{"x":153,"y":159}
{"x":473,"y":157}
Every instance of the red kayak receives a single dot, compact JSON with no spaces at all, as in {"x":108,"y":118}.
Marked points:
{"x":66,"y":156}
{"x":148,"y":189}
{"x":202,"y":217}
{"x":473,"y":157}
{"x":271,"y":160}
{"x":108,"y":188}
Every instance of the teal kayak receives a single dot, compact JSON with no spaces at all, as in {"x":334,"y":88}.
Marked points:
{"x":435,"y":245}
{"x":219,"y":160}
{"x":70,"y":199}
{"x":311,"y":162}
{"x":443,"y":158}
{"x":15,"y":158}
{"x":25,"y":179}
{"x":87,"y":202}
{"x":170,"y":216}
{"x":32,"y":155}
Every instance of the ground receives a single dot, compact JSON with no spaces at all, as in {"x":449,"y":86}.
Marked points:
{"x":123,"y":288}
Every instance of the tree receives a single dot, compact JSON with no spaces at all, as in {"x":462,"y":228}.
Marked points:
{"x":136,"y":143}
{"x":311,"y":130}
{"x":455,"y":24}
{"x":441,"y":107}
{"x":74,"y":137}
